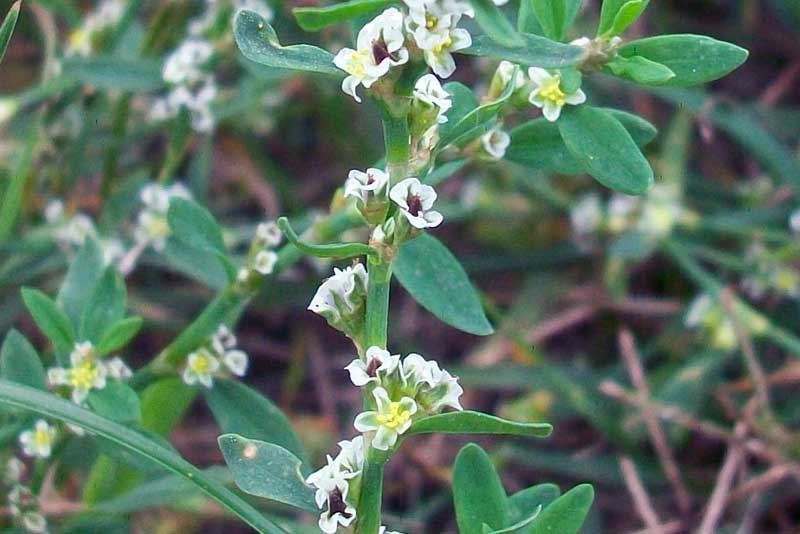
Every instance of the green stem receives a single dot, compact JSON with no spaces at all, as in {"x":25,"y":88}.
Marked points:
{"x":377,"y":317}
{"x":369,"y":513}
{"x":398,"y":144}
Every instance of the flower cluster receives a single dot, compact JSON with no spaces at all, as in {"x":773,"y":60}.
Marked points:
{"x":262,"y":257}
{"x":71,"y":232}
{"x":332,"y":483}
{"x":87,"y":372}
{"x":341,"y":300}
{"x":152,"y":227}
{"x":105,"y":16}
{"x":769,"y":274}
{"x":23,"y":506}
{"x":218,"y":358}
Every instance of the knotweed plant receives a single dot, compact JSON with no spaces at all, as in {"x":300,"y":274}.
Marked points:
{"x":537,"y":105}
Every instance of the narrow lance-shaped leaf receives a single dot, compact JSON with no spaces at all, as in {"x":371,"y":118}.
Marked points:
{"x":495,"y":24}
{"x":82,"y":276}
{"x":477,"y":492}
{"x":313,"y":19}
{"x":469,"y":422}
{"x":267,"y":470}
{"x":336,"y":250}
{"x":7,"y":28}
{"x":258,"y":42}
{"x":52,"y":406}
{"x":435,"y":278}
{"x":695,"y":59}
{"x":50,"y":319}
{"x":535,"y":51}
{"x":119,"y":334}
{"x":640,"y":70}
{"x":605,"y":149}
{"x":627,"y":15}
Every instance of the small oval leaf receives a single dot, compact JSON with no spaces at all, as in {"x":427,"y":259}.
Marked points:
{"x":478,"y":494}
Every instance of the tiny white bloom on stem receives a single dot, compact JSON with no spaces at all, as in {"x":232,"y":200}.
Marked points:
{"x":495,"y":142}
{"x":118,"y":369}
{"x":548,"y":95}
{"x":429,"y":90}
{"x":223,"y":339}
{"x":86,"y":372}
{"x":38,"y":442}
{"x":379,"y":46}
{"x":236,"y":361}
{"x":440,"y":57}
{"x":363,"y":184}
{"x":415,"y":200}
{"x":379,"y":363}
{"x":436,"y":388}
{"x":504,"y":72}
{"x":331,"y":496}
{"x":586,"y":215}
{"x":265,"y":261}
{"x":383,"y":530}
{"x":389,"y":420}
{"x":352,"y":455}
{"x":201,"y":366}
{"x":335,"y":296}
{"x":269,"y":234}
{"x":184,"y":65}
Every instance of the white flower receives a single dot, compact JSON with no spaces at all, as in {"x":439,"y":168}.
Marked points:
{"x":429,"y":90}
{"x":352,"y":454}
{"x":415,"y":200}
{"x":620,"y":210}
{"x":362,"y":184}
{"x":504,"y":72}
{"x":389,"y":420}
{"x":586,"y":215}
{"x":223,"y":340}
{"x":54,"y":211}
{"x":548,"y":95}
{"x":495,"y":142}
{"x":265,"y":261}
{"x":236,"y":361}
{"x":379,"y":47}
{"x":383,"y":530}
{"x":331,"y":496}
{"x":269,"y":234}
{"x":201,"y":366}
{"x":39,"y":441}
{"x":698,"y":310}
{"x":118,"y":369}
{"x":152,"y":226}
{"x":184,"y":64}
{"x":34,"y":522}
{"x":432,"y":23}
{"x":440,"y":58}
{"x":335,"y":295}
{"x":106,"y":14}
{"x":379,"y":363}
{"x":661,"y":210}
{"x":500,"y":2}
{"x":436,"y":387}
{"x":75,"y":230}
{"x":86,"y":372}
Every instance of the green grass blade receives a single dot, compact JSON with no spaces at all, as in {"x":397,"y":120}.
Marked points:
{"x":52,"y":406}
{"x":7,"y":28}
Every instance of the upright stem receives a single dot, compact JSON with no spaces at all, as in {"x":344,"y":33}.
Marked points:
{"x":380,"y":275}
{"x":398,"y":144}
{"x":369,"y":518}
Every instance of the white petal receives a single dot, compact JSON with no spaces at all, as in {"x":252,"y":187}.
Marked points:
{"x":576,"y":98}
{"x":551,"y":111}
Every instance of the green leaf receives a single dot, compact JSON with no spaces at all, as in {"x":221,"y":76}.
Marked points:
{"x":52,"y":406}
{"x":695,"y":59}
{"x":523,"y":503}
{"x":608,"y":14}
{"x":551,"y":15}
{"x":495,"y":24}
{"x":116,"y":401}
{"x":469,"y":422}
{"x":444,"y":171}
{"x":20,"y":363}
{"x":119,"y":334}
{"x":203,"y":266}
{"x":7,"y":28}
{"x":241,"y":410}
{"x":477,"y":121}
{"x":164,"y":404}
{"x":313,"y":19}
{"x":50,"y":319}
{"x":520,"y":527}
{"x":566,"y":514}
{"x":194,"y":225}
{"x":267,"y":470}
{"x":627,"y":15}
{"x":336,"y":250}
{"x":640,"y":70}
{"x":536,"y":51}
{"x":538,"y":143}
{"x":105,"y":307}
{"x":115,"y":73}
{"x":478,"y":494}
{"x":13,"y":195}
{"x":605,"y":149}
{"x":435,"y":278}
{"x":258,"y":42}
{"x":83,"y":275}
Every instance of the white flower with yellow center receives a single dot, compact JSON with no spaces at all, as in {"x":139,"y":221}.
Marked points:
{"x":439,"y":57}
{"x":390,"y":419}
{"x":201,"y":366}
{"x":548,"y":94}
{"x":38,"y":442}
{"x":430,"y":92}
{"x":416,"y":200}
{"x":363,"y":184}
{"x":431,"y":21}
{"x":495,"y":142}
{"x":152,"y":226}
{"x":379,"y":46}
{"x":265,"y":261}
{"x":379,"y":363}
{"x":86,"y":372}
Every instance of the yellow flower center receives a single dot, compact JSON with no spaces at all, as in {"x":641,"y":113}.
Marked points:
{"x":158,"y":226}
{"x":359,"y":60}
{"x":201,"y":364}
{"x":41,"y":438}
{"x":447,"y":43}
{"x":430,"y":21}
{"x":395,"y":417}
{"x":84,"y":375}
{"x":551,"y":90}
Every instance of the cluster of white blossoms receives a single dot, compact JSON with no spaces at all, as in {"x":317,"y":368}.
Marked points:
{"x":71,"y":232}
{"x":193,"y":86}
{"x":769,"y":274}
{"x":341,"y":299}
{"x":262,"y":257}
{"x":22,"y":504}
{"x":219,"y":358}
{"x":87,"y":372}
{"x":152,"y":227}
{"x":429,"y":28}
{"x":103,"y":17}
